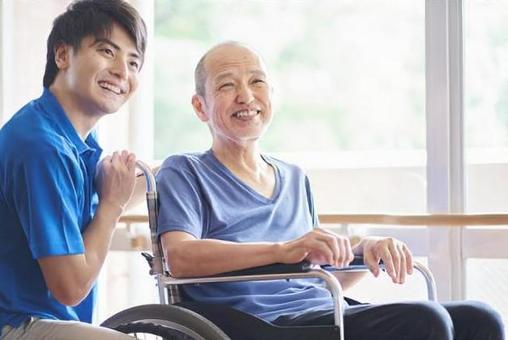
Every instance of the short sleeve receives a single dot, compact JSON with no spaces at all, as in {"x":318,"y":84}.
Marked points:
{"x":180,"y":204}
{"x":47,"y":201}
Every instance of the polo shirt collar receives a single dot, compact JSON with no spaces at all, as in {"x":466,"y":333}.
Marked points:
{"x":53,"y":107}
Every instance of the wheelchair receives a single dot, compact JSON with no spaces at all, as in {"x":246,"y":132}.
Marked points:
{"x":175,"y":318}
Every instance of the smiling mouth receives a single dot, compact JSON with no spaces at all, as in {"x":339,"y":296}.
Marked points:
{"x":246,"y":114}
{"x":111,"y":87}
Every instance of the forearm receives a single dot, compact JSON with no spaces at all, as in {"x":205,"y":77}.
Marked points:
{"x":70,"y":277}
{"x":205,"y":257}
{"x":97,"y":239}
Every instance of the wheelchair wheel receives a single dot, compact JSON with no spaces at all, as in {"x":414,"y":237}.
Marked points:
{"x":164,"y":322}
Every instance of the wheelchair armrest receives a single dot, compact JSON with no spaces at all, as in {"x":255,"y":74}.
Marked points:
{"x":358,"y":266}
{"x":300,"y":267}
{"x":276,"y":268}
{"x":355,"y":266}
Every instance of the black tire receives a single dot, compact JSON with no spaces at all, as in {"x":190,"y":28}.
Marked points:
{"x":167,"y":321}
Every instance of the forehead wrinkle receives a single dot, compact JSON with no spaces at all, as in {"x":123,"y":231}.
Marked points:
{"x":222,"y":75}
{"x":228,"y":74}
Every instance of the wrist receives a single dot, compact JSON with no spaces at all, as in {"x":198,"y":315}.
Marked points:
{"x":110,"y":209}
{"x":277,"y":252}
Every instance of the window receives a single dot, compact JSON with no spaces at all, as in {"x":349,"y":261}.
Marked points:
{"x":486,"y":142}
{"x":486,"y":104}
{"x":348,"y":80}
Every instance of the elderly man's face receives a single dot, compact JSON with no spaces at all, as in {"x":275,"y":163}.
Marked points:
{"x":237,"y":103}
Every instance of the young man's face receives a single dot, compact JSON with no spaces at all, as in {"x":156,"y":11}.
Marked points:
{"x":102,"y":74}
{"x":237,"y":103}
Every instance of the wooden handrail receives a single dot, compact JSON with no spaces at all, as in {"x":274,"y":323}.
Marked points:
{"x":413,"y":220}
{"x":417,"y":220}
{"x":134,"y":219}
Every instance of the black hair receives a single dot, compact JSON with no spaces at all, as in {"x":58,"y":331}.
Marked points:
{"x":92,"y":18}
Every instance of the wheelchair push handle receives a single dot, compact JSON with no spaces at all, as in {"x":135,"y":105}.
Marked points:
{"x":149,"y":176}
{"x":155,"y":261}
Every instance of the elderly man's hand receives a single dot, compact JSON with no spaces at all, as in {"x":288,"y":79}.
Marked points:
{"x":319,"y":247}
{"x":395,"y":254}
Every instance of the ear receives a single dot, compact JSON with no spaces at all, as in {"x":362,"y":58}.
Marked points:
{"x":62,"y":56}
{"x":199,"y":105}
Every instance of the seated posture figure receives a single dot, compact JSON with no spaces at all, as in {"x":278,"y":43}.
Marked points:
{"x":56,"y":217}
{"x":232,"y":207}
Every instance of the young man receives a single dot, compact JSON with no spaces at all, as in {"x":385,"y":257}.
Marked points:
{"x":233,"y":207}
{"x":58,"y":203}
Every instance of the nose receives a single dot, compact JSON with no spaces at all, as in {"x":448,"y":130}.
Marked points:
{"x":120,"y":68}
{"x":245,"y":95}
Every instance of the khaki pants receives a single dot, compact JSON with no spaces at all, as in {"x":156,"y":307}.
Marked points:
{"x":42,"y":329}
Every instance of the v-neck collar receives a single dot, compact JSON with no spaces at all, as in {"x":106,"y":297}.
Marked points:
{"x":236,"y":179}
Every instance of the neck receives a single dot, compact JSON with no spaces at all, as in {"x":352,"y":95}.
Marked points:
{"x":240,"y":158}
{"x":248,"y":165}
{"x":83,"y":122}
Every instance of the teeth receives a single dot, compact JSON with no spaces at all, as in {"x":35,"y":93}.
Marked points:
{"x":246,"y":113}
{"x":111,"y":87}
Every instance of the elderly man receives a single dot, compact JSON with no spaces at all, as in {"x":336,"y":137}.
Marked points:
{"x":233,"y":207}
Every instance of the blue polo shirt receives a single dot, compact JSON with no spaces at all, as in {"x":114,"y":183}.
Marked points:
{"x":47,"y":198}
{"x":200,"y":196}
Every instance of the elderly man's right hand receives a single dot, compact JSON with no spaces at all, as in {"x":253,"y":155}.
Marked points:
{"x":319,"y":247}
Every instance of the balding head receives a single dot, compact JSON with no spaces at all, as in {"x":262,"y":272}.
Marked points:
{"x":233,"y":94}
{"x":201,"y":71}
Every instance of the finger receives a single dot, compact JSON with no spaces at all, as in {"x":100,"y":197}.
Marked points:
{"x":349,"y":253}
{"x":344,"y":254}
{"x":125,"y":154}
{"x":394,"y":253}
{"x":106,"y":160}
{"x":344,"y":242}
{"x":371,"y":260}
{"x":331,"y":251}
{"x":409,"y":259}
{"x":339,"y":248}
{"x":386,"y":256}
{"x":335,"y":247}
{"x":403,"y":265}
{"x":327,"y":245}
{"x":115,"y":158}
{"x":299,"y":256}
{"x":131,"y":161}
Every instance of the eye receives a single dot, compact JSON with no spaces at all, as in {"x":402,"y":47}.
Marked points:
{"x":134,"y":65}
{"x":258,"y":82}
{"x":107,"y":51}
{"x":226,"y":86}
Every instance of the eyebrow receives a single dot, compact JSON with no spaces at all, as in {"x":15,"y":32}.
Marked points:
{"x":227,"y":74}
{"x":115,"y":46}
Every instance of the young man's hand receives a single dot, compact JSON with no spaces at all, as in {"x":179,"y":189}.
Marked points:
{"x":116,"y":178}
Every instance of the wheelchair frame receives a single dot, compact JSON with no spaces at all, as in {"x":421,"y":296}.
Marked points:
{"x":168,"y":286}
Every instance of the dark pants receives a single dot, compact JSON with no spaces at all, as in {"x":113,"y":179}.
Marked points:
{"x":464,"y":320}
